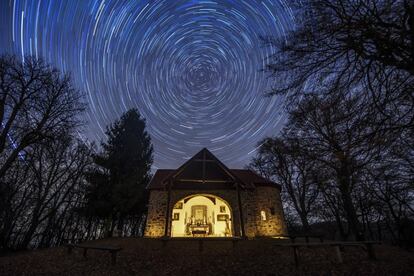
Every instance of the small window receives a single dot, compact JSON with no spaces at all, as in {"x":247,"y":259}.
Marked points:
{"x":176,"y":216}
{"x":222,"y":209}
{"x":222,"y":217}
{"x":272,"y":211}
{"x":263,"y":215}
{"x":178,"y":205}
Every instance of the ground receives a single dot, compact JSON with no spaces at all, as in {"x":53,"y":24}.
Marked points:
{"x":141,"y":256}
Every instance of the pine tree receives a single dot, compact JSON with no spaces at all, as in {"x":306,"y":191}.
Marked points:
{"x":117,"y":184}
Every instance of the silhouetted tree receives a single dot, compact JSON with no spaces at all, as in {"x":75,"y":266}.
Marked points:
{"x":281,"y":160}
{"x":347,"y":44}
{"x":348,"y":69}
{"x":41,"y":163}
{"x":123,"y":171}
{"x":338,"y":134}
{"x":36,"y":104}
{"x":389,"y":181}
{"x":322,"y":157}
{"x":40,"y":193}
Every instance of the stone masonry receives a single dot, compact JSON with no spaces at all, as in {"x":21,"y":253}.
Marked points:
{"x":253,"y":202}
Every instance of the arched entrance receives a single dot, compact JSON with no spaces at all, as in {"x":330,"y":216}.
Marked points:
{"x":201,"y":215}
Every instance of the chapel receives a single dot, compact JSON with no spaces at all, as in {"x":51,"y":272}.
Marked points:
{"x":204,"y":198}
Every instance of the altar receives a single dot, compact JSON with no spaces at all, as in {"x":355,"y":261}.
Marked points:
{"x":198,"y":224}
{"x":199,"y":230}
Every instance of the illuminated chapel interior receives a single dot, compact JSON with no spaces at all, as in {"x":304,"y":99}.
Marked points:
{"x":205,"y":215}
{"x":204,"y":198}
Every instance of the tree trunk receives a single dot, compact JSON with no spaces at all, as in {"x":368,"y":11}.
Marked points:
{"x":34,"y":223}
{"x":351,"y":215}
{"x":120,"y":225}
{"x":305,"y":222}
{"x":109,"y":226}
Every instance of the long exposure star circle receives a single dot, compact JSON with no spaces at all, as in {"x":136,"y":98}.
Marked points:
{"x":191,"y":68}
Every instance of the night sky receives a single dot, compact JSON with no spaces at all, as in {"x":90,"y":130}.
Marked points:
{"x":192,"y":68}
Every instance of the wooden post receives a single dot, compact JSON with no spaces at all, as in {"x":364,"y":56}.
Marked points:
{"x":70,"y":247}
{"x":295,"y":254}
{"x":113,"y":257}
{"x":240,"y":210}
{"x":338,"y":254}
{"x":167,"y":218}
{"x":85,"y":250}
{"x":234,"y":241}
{"x":370,"y":251}
{"x":164,"y":242}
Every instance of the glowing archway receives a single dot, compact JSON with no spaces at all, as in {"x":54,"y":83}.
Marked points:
{"x":202,"y":215}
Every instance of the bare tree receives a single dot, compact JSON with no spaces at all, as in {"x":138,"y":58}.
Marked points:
{"x":14,"y":201}
{"x":347,"y":44}
{"x":281,"y":160}
{"x":337,"y":133}
{"x":36,"y":104}
{"x":348,"y":67}
{"x":41,"y":163}
{"x":390,"y":183}
{"x":39,"y":208}
{"x":58,"y":170}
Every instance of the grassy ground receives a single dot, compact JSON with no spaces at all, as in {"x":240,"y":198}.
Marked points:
{"x":251,"y":257}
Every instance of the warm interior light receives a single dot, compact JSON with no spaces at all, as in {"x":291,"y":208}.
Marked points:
{"x":201,"y":215}
{"x":263,"y":215}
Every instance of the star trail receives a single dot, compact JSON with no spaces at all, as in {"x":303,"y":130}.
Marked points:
{"x":192,"y":68}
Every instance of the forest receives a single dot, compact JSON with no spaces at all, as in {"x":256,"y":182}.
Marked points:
{"x":345,"y":157}
{"x":55,"y":187}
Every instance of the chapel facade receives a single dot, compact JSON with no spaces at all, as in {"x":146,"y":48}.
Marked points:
{"x":204,"y":198}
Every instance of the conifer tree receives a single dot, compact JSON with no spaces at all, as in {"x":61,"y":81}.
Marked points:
{"x":117,"y":184}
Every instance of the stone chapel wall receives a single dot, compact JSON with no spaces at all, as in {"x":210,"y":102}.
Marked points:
{"x":248,"y":199}
{"x":268,"y":200}
{"x":157,"y":206}
{"x":265,"y":199}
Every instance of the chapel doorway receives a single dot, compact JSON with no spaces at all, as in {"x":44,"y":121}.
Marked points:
{"x":201,"y":216}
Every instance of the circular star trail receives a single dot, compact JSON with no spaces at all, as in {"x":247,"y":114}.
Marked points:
{"x":192,"y":68}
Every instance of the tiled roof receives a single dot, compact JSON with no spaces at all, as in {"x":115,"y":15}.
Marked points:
{"x":249,"y":178}
{"x":206,"y":171}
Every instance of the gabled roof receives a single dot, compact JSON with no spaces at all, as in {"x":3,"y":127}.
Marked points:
{"x":205,"y":171}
